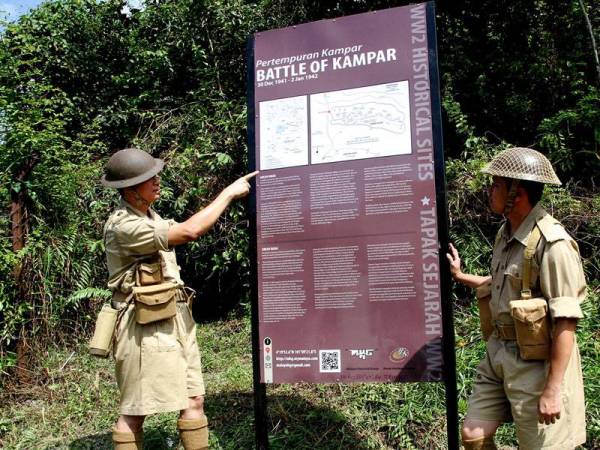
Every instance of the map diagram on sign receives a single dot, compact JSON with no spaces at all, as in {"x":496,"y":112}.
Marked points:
{"x":283,"y":133}
{"x":360,"y":123}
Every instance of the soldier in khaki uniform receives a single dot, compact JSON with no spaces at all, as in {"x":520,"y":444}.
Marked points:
{"x":158,"y":364}
{"x":544,"y":398}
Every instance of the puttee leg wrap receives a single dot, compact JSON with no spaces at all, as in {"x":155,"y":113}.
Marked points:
{"x":194,"y":433}
{"x":128,"y":441}
{"x":484,"y":443}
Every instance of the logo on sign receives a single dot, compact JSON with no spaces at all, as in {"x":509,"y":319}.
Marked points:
{"x":399,"y":354}
{"x":268,"y":360}
{"x":362,"y":353}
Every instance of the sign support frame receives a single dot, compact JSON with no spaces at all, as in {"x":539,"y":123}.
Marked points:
{"x":260,"y":389}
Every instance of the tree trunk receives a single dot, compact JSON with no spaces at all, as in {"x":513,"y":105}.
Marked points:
{"x":19,"y":230}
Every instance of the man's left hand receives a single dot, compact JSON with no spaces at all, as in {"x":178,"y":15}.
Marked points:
{"x":549,"y":405}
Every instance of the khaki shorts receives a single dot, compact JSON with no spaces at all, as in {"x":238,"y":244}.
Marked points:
{"x":157,"y":365}
{"x":507,"y":388}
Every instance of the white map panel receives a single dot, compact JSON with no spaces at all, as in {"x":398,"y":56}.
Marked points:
{"x":360,"y":123}
{"x":283,"y":133}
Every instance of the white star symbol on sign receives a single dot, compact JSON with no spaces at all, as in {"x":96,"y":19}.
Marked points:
{"x":425,"y":201}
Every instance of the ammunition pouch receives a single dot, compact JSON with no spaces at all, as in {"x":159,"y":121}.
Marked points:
{"x":532,"y":328}
{"x":149,"y":273}
{"x":155,"y":302}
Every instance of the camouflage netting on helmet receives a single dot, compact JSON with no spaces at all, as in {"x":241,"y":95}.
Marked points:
{"x":522,"y":164}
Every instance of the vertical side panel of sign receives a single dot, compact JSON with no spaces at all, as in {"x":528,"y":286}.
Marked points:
{"x":260,"y":393}
{"x":428,"y":205}
{"x":448,"y":343}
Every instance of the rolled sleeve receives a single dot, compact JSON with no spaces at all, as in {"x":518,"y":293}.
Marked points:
{"x":562,"y":280}
{"x":141,"y":236}
{"x":161,"y":231}
{"x":483,"y":291}
{"x":565,"y":307}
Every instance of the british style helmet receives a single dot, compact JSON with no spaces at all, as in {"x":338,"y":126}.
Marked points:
{"x":129,"y":167}
{"x":522,"y":164}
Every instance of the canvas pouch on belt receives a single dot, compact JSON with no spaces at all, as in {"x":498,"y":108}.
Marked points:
{"x":485,"y":314}
{"x":154,"y":299}
{"x":530,"y":315}
{"x":155,"y":302}
{"x":484,"y":296}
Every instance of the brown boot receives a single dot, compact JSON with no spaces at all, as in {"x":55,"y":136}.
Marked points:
{"x":128,"y":441}
{"x":194,"y":433}
{"x":484,"y":443}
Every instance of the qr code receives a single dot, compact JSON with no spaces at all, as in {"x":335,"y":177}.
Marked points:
{"x":329,"y":361}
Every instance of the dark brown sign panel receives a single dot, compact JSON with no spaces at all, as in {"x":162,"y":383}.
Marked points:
{"x":346,"y":216}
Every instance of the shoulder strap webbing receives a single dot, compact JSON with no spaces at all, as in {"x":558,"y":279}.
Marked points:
{"x":498,"y":236}
{"x":532,"y":243}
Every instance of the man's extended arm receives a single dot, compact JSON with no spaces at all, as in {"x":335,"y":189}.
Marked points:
{"x":203,"y":220}
{"x":473,"y":281}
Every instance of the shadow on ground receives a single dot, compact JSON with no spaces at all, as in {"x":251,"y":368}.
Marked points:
{"x":293,"y":424}
{"x":154,"y":439}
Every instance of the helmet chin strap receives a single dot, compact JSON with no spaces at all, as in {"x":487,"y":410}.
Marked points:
{"x":510,"y":198}
{"x":139,"y":201}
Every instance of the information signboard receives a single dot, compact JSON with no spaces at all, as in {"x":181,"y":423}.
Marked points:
{"x":349,"y":202}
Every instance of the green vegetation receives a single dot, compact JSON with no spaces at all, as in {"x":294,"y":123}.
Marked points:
{"x":80,"y":79}
{"x":72,"y":403}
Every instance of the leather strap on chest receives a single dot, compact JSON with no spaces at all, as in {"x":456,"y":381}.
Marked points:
{"x":528,"y":254}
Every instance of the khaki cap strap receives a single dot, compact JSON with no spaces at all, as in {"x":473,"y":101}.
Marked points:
{"x":510,"y":198}
{"x":532,"y":243}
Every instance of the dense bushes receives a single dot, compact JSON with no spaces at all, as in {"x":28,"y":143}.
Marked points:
{"x":81,"y":79}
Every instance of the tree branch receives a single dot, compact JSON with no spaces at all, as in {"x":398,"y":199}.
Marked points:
{"x":591,"y":31}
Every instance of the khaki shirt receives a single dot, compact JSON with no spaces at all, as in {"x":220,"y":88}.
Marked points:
{"x":556,"y":270}
{"x":130,"y":237}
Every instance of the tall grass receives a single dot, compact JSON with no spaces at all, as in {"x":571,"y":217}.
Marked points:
{"x":73,"y":403}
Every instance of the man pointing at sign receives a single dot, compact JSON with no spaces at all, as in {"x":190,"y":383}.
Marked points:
{"x":156,"y":354}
